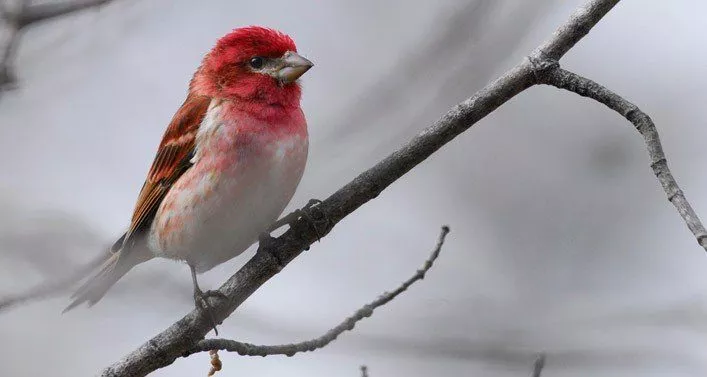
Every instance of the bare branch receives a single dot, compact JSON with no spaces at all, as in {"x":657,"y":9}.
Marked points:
{"x":10,"y":16}
{"x":539,"y":365}
{"x":4,"y":13}
{"x":29,"y":14}
{"x":457,"y":29}
{"x":246,"y":349}
{"x":7,"y":77}
{"x":551,"y":74}
{"x":183,"y":335}
{"x":572,"y":31}
{"x":364,"y":371}
{"x":35,"y":13}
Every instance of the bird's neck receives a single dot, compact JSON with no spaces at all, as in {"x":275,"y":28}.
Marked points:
{"x":262,"y":118}
{"x":271,"y":112}
{"x":265,"y":100}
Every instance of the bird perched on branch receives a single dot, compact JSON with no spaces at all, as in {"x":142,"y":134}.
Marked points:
{"x":228,"y":163}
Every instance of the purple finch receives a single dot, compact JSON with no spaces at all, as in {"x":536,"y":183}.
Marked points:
{"x":228,"y":163}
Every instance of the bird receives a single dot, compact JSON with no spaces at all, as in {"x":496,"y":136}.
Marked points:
{"x":228,"y":163}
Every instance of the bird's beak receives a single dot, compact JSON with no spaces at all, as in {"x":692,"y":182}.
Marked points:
{"x":292,"y":67}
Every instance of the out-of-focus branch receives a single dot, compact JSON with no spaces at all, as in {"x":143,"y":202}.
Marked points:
{"x":186,"y":333}
{"x":246,"y":349}
{"x":9,"y":17}
{"x":27,"y":15}
{"x":52,"y":286}
{"x":539,"y":365}
{"x":550,"y":73}
{"x":449,"y":36}
{"x":7,"y":76}
{"x":364,"y":371}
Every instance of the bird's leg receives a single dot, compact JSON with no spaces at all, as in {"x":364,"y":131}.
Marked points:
{"x":201,"y":298}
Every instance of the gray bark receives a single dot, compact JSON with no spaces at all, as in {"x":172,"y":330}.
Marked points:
{"x":186,"y":333}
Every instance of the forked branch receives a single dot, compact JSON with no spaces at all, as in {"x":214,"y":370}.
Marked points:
{"x":186,"y":333}
{"x":542,"y":67}
{"x":539,"y":365}
{"x":550,"y":73}
{"x":28,"y":14}
{"x":246,"y":349}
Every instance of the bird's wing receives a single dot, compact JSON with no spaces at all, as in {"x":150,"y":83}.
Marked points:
{"x":172,"y":160}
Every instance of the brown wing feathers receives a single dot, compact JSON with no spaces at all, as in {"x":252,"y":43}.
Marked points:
{"x":172,"y":160}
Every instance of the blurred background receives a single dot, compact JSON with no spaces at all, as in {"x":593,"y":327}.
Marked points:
{"x":562,"y":240}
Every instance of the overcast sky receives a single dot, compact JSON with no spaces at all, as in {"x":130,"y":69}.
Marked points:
{"x":562,"y":240}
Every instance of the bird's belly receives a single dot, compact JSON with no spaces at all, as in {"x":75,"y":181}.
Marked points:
{"x":212,"y":215}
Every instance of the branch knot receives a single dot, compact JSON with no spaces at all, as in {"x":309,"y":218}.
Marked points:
{"x":542,"y":65}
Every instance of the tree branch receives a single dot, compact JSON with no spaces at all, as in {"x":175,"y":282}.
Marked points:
{"x":246,"y":349}
{"x":7,"y":76}
{"x":572,"y":31}
{"x":551,"y":74}
{"x":29,"y":14}
{"x":183,"y":335}
{"x":34,"y":13}
{"x":539,"y":365}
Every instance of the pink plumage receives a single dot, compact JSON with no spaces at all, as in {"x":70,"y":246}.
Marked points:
{"x":246,"y":172}
{"x":228,"y":163}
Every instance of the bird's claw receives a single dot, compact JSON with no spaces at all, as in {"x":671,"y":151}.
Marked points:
{"x":304,"y":213}
{"x":201,"y":301}
{"x":265,"y":239}
{"x":215,"y":294}
{"x":311,"y":203}
{"x":295,"y":215}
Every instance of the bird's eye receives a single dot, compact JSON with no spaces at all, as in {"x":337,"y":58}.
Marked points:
{"x":256,"y":62}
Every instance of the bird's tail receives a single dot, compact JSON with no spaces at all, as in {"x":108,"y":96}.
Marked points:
{"x":108,"y":273}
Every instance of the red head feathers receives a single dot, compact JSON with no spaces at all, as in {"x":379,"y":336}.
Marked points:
{"x":253,"y":66}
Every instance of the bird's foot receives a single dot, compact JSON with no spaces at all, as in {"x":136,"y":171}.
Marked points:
{"x":308,"y":214}
{"x":201,"y":301}
{"x":312,"y":215}
{"x":215,"y":294}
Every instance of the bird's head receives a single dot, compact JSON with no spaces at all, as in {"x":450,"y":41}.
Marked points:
{"x":252,"y":65}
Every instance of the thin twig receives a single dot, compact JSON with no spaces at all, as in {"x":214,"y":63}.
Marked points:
{"x":539,"y":365}
{"x":14,"y":29}
{"x":247,"y":349}
{"x":27,"y":15}
{"x":7,"y":76}
{"x":563,"y":79}
{"x":35,"y":13}
{"x":578,"y":26}
{"x":184,"y":334}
